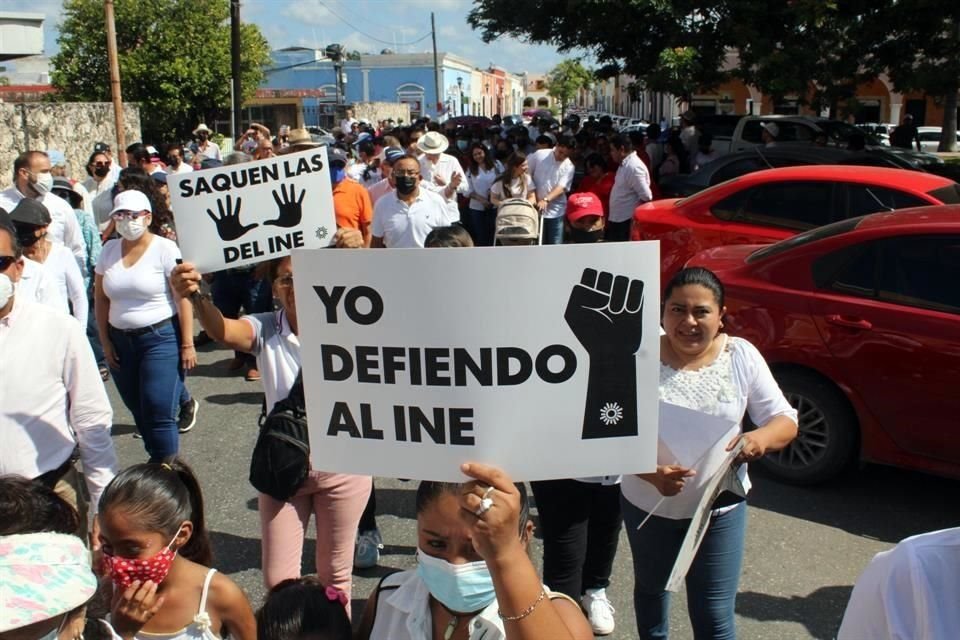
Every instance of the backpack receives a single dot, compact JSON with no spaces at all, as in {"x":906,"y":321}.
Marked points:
{"x":281,"y":457}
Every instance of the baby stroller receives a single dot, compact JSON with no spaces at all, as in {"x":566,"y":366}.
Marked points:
{"x":518,"y":222}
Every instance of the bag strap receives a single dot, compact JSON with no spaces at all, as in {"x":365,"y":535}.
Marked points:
{"x":296,"y":393}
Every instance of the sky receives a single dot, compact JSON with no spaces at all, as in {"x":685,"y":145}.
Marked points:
{"x":367,"y":26}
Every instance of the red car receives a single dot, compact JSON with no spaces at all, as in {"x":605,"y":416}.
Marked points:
{"x":768,"y":206}
{"x":860,"y":322}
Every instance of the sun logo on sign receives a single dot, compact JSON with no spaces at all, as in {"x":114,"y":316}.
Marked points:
{"x":321,"y":233}
{"x":611,"y":414}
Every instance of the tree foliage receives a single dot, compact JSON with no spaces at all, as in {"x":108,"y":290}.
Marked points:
{"x":174,"y":58}
{"x":565,"y":80}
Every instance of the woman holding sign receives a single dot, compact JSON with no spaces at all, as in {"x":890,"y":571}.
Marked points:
{"x":719,"y":378}
{"x":474,"y":578}
{"x":336,"y":500}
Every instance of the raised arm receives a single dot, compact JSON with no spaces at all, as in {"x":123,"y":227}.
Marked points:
{"x":234,"y":334}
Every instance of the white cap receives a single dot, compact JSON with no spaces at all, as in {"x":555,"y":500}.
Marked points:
{"x":131,"y":201}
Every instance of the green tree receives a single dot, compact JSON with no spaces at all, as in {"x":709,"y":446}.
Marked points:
{"x":174,"y":58}
{"x":565,"y":80}
{"x":917,"y":43}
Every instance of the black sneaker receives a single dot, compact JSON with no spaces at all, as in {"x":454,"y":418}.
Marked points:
{"x":188,"y":416}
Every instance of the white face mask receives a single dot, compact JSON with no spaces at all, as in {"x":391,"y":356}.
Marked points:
{"x":132,"y":229}
{"x":6,"y":289}
{"x":44,"y":183}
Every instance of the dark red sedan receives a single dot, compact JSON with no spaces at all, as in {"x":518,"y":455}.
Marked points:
{"x":860,"y":322}
{"x":767,"y":206}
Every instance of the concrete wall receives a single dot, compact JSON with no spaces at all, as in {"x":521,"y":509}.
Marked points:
{"x":72,"y":127}
{"x":377,"y":111}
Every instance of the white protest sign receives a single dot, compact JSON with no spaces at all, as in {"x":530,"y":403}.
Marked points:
{"x":723,"y":478}
{"x":540,"y":360}
{"x":246,"y":213}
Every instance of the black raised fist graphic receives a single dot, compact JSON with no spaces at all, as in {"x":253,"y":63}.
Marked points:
{"x":605,"y":314}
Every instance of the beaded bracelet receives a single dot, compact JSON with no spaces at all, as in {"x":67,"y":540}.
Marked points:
{"x":525,"y":612}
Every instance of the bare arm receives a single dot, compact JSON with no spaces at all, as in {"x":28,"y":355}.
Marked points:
{"x":234,"y":609}
{"x":101,"y":309}
{"x":188,"y":353}
{"x":234,"y":334}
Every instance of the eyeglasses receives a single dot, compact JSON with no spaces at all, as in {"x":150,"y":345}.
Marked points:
{"x":128,"y":215}
{"x":99,"y":164}
{"x":6,"y":261}
{"x":406,"y":174}
{"x":284,"y":282}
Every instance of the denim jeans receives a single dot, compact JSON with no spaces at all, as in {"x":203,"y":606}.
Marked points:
{"x":553,"y":230}
{"x":481,"y":223}
{"x":93,"y":337}
{"x":580,"y":523}
{"x":711,"y":582}
{"x":151,"y":385}
{"x":236,"y":289}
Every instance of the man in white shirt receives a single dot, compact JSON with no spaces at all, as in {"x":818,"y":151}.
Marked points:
{"x":104,"y":148}
{"x":176,"y":164}
{"x":688,"y":131}
{"x":55,"y":409}
{"x":631,"y":187}
{"x":552,"y":174}
{"x":346,"y":124}
{"x":910,"y":591}
{"x":32,"y":179}
{"x":384,"y":187}
{"x":441,"y":172}
{"x":403,"y":219}
{"x":204,"y":146}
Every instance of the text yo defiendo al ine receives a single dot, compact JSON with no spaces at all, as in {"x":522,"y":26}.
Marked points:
{"x":421,"y":366}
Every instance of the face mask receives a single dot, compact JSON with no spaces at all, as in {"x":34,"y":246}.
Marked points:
{"x":459,"y":587}
{"x":43,"y":183}
{"x":175,"y":161}
{"x":337,"y":174}
{"x":581,"y":236}
{"x":405,"y":184}
{"x":101,"y":172}
{"x":124,"y":571}
{"x":6,"y":289}
{"x":131,"y":229}
{"x":463,"y":144}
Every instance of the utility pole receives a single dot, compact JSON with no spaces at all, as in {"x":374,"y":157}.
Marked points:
{"x":115,"y":83}
{"x":236,"y":93}
{"x":436,"y":64}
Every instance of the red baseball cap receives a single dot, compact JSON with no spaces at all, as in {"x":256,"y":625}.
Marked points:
{"x":583,"y":204}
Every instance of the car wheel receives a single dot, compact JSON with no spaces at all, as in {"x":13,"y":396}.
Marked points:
{"x":827,"y":439}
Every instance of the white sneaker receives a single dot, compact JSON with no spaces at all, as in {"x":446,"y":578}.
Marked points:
{"x":599,"y":611}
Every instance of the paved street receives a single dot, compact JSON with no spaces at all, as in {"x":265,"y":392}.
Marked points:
{"x":805,"y":547}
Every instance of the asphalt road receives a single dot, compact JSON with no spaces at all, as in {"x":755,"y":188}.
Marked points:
{"x":805,"y":546}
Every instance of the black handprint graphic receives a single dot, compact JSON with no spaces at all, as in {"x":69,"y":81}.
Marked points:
{"x":228,"y":224}
{"x":290,"y":207}
{"x":604,"y":312}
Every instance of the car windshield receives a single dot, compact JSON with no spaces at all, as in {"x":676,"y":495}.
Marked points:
{"x":805,"y":238}
{"x":947,"y":195}
{"x":841,"y":132}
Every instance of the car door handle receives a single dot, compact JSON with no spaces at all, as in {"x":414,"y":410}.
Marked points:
{"x":850,"y":322}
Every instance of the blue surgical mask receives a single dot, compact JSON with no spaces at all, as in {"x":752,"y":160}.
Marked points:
{"x":462,"y":588}
{"x":337,"y":174}
{"x":463,"y":144}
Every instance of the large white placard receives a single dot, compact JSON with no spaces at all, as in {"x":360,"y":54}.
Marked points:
{"x":540,"y":360}
{"x":246,"y":213}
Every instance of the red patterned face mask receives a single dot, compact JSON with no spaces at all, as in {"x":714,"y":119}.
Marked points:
{"x":125,"y":571}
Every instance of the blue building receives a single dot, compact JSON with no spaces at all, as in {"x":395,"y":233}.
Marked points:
{"x":301,"y":89}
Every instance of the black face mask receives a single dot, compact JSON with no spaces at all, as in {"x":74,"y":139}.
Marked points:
{"x":100,"y":172}
{"x":405,"y":184}
{"x":579,"y":236}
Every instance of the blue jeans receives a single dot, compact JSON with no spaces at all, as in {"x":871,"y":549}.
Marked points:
{"x":553,"y":230}
{"x":150,"y":382}
{"x":481,"y":224}
{"x":236,"y":289}
{"x":711,"y":582}
{"x":93,"y":337}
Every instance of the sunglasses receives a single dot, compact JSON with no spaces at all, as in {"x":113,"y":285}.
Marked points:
{"x":99,"y":164}
{"x":6,"y":261}
{"x":128,"y":215}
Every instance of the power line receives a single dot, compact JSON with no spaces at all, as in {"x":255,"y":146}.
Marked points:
{"x":367,"y":35}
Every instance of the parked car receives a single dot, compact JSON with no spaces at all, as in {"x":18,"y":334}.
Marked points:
{"x":734,"y":165}
{"x":930,"y":138}
{"x":739,"y":133}
{"x":768,"y":206}
{"x":860,"y":322}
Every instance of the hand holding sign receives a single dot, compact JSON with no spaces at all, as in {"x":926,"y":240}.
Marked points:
{"x":228,"y":224}
{"x":604,"y":313}
{"x":494,"y":531}
{"x":290,"y":207}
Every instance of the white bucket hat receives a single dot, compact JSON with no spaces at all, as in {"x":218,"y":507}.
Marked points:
{"x":433,"y":142}
{"x":201,"y":127}
{"x":42,"y":575}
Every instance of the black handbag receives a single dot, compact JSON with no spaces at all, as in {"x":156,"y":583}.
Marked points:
{"x":281,"y":457}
